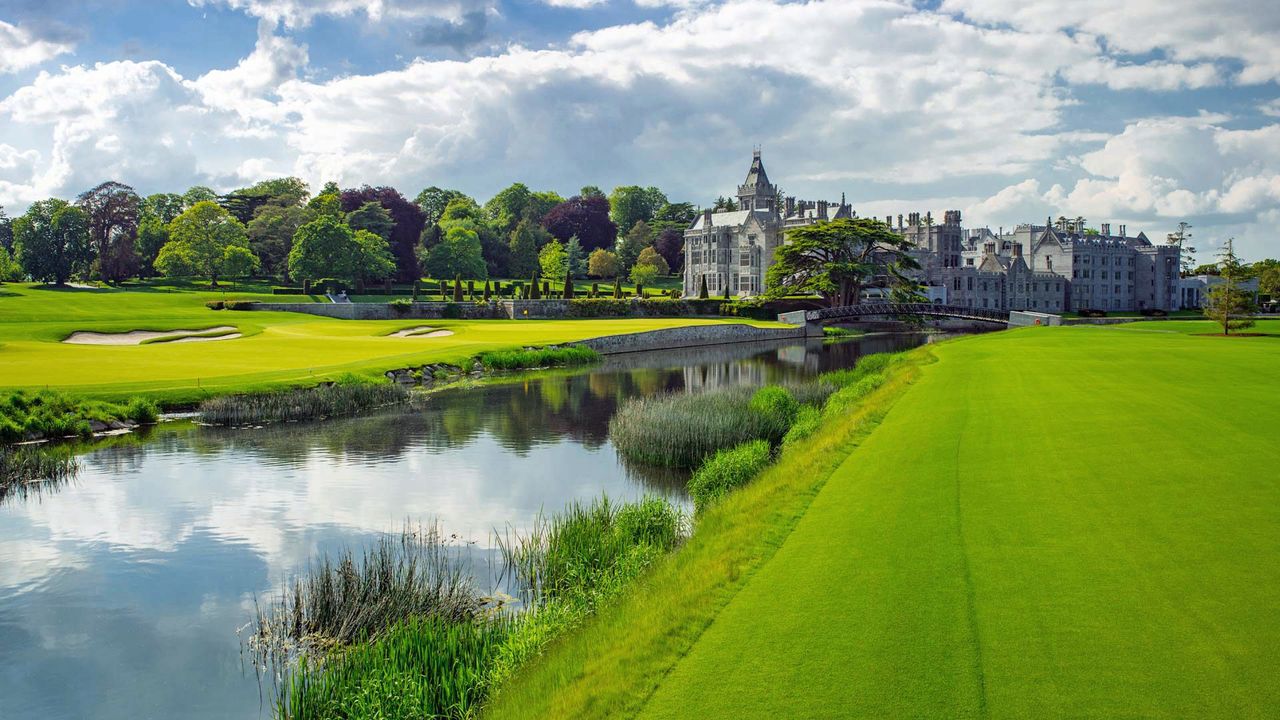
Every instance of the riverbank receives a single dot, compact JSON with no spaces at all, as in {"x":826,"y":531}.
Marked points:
{"x":274,"y":350}
{"x":1051,"y":553}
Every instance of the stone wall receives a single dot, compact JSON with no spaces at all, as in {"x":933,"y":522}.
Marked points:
{"x":1021,"y":318}
{"x":693,"y":336}
{"x":383,"y":311}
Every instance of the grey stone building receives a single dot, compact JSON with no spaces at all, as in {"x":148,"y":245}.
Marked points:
{"x":734,"y":249}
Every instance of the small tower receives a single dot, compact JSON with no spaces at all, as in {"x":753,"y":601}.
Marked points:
{"x":757,"y":193}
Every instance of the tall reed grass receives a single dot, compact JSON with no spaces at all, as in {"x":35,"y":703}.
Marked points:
{"x":538,"y":357}
{"x":51,"y":414}
{"x":325,"y":401}
{"x":728,"y":470}
{"x":28,"y":470}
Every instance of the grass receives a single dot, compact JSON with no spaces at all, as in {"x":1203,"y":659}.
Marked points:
{"x":338,"y":400}
{"x":32,"y":469}
{"x":48,"y":414}
{"x":538,"y":358}
{"x":278,"y":349}
{"x":681,"y":430}
{"x":728,"y":470}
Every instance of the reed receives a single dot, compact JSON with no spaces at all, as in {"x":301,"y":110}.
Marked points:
{"x":51,"y":414}
{"x":728,"y":470}
{"x":682,"y":430}
{"x":351,"y":598}
{"x":28,"y":470}
{"x":337,"y":400}
{"x":538,"y":357}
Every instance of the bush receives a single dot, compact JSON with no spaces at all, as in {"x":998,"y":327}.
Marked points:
{"x":50,"y":414}
{"x":288,"y":291}
{"x":400,"y":306}
{"x":538,"y":357}
{"x":726,"y":471}
{"x":451,"y":311}
{"x":142,"y":411}
{"x":867,"y":365}
{"x":776,"y":408}
{"x":806,"y":423}
{"x":215,"y":305}
{"x":239,"y":304}
{"x":1153,"y":312}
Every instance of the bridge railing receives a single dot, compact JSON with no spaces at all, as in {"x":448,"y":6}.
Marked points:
{"x":926,"y":309}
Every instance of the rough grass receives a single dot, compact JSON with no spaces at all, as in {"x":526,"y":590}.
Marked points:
{"x":31,"y":469}
{"x":277,"y":350}
{"x":53,"y":415}
{"x":1101,"y":545}
{"x":538,"y":358}
{"x":726,"y":471}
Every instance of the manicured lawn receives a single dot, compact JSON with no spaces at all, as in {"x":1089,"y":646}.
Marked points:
{"x":1263,"y":326}
{"x":277,"y":348}
{"x":1050,"y":522}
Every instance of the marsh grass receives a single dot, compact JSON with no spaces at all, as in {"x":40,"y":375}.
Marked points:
{"x":51,"y":414}
{"x":682,"y":430}
{"x":350,"y":598}
{"x":344,"y":398}
{"x":538,"y":358}
{"x":29,"y":470}
{"x":728,"y":470}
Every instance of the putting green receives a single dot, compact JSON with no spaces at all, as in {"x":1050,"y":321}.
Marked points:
{"x":1051,"y":523}
{"x":276,"y":348}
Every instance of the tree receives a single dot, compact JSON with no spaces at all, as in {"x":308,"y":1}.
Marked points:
{"x":52,"y":241}
{"x":434,"y":200}
{"x":602,"y":264}
{"x":10,"y":268}
{"x":409,"y":221}
{"x":373,"y":217}
{"x":634,"y":243}
{"x":326,"y":204}
{"x":272,"y":230}
{"x":152,"y":236}
{"x":649,"y":256}
{"x":1226,"y":303}
{"x":162,"y":206}
{"x":525,"y":241}
{"x":588,"y":191}
{"x":507,"y":208}
{"x":643,"y":274}
{"x":630,"y":204}
{"x":702,"y":287}
{"x":328,"y":247}
{"x":112,"y":211}
{"x":575,"y":257}
{"x":457,"y":254}
{"x":552,"y":260}
{"x":568,"y":286}
{"x":670,"y":245}
{"x":674,"y":216}
{"x":838,"y":258}
{"x":724,"y":204}
{"x":1208,"y":269}
{"x":197,"y":194}
{"x":199,"y":242}
{"x":587,"y":217}
{"x":245,"y":203}
{"x":1181,"y":238}
{"x":374,"y":260}
{"x":6,"y":231}
{"x":1268,"y":278}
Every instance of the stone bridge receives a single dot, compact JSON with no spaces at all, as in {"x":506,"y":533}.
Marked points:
{"x":815,"y":318}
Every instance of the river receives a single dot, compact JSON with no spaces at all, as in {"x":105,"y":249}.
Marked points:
{"x":121,"y":593}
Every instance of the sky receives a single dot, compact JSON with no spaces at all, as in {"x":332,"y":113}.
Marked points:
{"x":1143,"y":113}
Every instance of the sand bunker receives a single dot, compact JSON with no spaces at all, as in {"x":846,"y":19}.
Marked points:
{"x":137,"y":337}
{"x":429,"y":332}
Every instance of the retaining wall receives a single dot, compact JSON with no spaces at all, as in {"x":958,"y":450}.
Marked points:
{"x":692,"y":336}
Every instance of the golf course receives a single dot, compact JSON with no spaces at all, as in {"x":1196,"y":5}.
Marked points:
{"x":1046,"y":522}
{"x":239,"y":351}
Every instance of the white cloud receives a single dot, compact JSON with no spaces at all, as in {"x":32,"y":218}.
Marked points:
{"x":300,"y":13}
{"x":19,"y":49}
{"x":1183,"y":30}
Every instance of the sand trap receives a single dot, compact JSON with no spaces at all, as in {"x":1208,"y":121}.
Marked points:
{"x":136,"y":337}
{"x":193,"y":338}
{"x":422,"y":332}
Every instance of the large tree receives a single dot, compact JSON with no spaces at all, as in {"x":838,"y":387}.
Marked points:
{"x":373,"y":217}
{"x":670,"y":245}
{"x":245,"y":203}
{"x":6,"y":231}
{"x":838,"y":258}
{"x":458,"y":254}
{"x":602,"y":264}
{"x":162,"y":206}
{"x":328,"y":248}
{"x":271,"y":234}
{"x":52,"y":241}
{"x":112,"y":209}
{"x":433,"y":200}
{"x":1181,"y":239}
{"x":673,"y":216}
{"x":630,"y":204}
{"x":1226,"y":303}
{"x":526,"y":240}
{"x":196,"y":194}
{"x":629,"y":247}
{"x":152,"y":236}
{"x":553,"y":261}
{"x":206,"y":240}
{"x":517,"y":202}
{"x":409,"y":222}
{"x":587,"y":217}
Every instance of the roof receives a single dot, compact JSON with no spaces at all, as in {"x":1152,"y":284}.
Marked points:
{"x":737,"y":217}
{"x":756,"y":175}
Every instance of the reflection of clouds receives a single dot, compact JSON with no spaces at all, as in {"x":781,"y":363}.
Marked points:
{"x":26,"y":563}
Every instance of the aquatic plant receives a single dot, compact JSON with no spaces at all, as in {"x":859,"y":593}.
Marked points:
{"x":51,"y":414}
{"x":728,"y":470}
{"x":337,"y":400}
{"x":806,"y":423}
{"x":538,"y":357}
{"x":26,"y":470}
{"x":776,"y":407}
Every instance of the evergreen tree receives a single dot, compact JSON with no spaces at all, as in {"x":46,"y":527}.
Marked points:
{"x":533,"y":288}
{"x":617,"y":288}
{"x":1227,"y":304}
{"x":457,"y":288}
{"x":568,"y":285}
{"x":702,"y":287}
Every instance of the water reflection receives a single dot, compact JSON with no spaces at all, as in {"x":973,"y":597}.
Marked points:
{"x":120,"y":594}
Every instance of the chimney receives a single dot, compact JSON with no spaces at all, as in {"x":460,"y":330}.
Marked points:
{"x":1017,"y":250}
{"x":706,"y":218}
{"x":1122,"y":231}
{"x":928,"y":217}
{"x":822,"y":209}
{"x":899,"y":221}
{"x":1106,"y":228}
{"x":888,"y":220}
{"x":791,"y":205}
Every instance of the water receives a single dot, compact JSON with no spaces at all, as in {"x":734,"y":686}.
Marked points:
{"x":121,"y":593}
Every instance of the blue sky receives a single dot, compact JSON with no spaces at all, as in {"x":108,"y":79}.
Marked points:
{"x":1010,"y":110}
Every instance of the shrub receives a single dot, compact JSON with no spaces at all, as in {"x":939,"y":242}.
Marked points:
{"x":776,"y":409}
{"x":806,"y":423}
{"x":726,"y":471}
{"x":451,"y":311}
{"x":239,"y":304}
{"x":400,"y":306}
{"x":215,"y":305}
{"x":288,"y":291}
{"x":142,"y":411}
{"x":866,"y":365}
{"x":538,"y":357}
{"x":846,"y":398}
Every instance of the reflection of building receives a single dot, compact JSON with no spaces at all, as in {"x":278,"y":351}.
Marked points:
{"x":734,"y":249}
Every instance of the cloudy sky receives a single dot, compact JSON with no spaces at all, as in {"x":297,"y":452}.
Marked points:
{"x":1145,"y":112}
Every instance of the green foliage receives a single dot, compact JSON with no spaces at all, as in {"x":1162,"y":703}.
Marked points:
{"x":602,"y":264}
{"x":776,"y":407}
{"x":728,"y":470}
{"x":525,"y":240}
{"x":51,"y":241}
{"x":837,"y":258}
{"x":201,"y":242}
{"x":216,"y":304}
{"x":373,"y":217}
{"x":153,"y":234}
{"x":702,"y":287}
{"x":629,"y":246}
{"x":24,"y":470}
{"x":327,"y":247}
{"x":49,"y":414}
{"x":10,"y":269}
{"x":807,"y":422}
{"x":538,"y":357}
{"x":434,"y":200}
{"x":553,"y":262}
{"x":630,"y":204}
{"x":650,"y":256}
{"x":1226,"y":304}
{"x":682,"y":430}
{"x":459,"y":252}
{"x":643,"y":274}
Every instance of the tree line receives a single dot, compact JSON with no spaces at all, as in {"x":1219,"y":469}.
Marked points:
{"x":277,"y":228}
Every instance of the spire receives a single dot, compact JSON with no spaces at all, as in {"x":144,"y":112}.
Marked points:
{"x":757,"y":193}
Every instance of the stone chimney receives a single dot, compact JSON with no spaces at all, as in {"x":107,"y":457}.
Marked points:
{"x":1122,"y":232}
{"x":928,"y":218}
{"x":899,"y":221}
{"x":706,"y":218}
{"x":1017,"y":250}
{"x":822,"y":209}
{"x":1106,"y":228}
{"x":888,"y":220}
{"x":791,"y":205}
